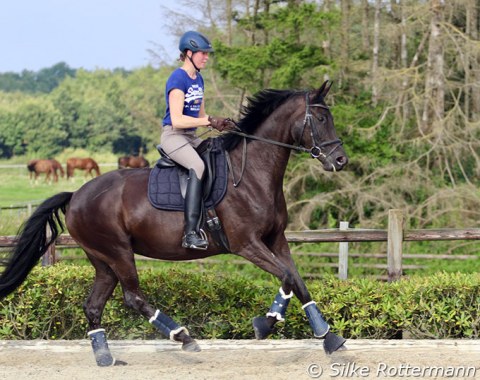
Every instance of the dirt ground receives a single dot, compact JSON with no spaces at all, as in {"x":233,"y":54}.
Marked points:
{"x":243,"y":359}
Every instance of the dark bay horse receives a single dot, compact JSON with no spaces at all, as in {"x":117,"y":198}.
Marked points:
{"x":111,"y":218}
{"x":49,"y":167}
{"x":87,"y":164}
{"x":132,"y":162}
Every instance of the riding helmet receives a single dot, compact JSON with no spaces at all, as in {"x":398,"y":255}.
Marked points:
{"x":195,"y":41}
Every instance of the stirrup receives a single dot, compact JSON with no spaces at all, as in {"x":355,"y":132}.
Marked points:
{"x":200,"y":242}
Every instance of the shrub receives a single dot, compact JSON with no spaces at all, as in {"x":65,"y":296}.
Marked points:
{"x":49,"y":306}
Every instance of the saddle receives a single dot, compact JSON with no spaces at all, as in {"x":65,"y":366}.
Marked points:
{"x":167,"y":185}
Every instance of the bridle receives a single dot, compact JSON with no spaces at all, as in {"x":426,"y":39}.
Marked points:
{"x":317,"y":149}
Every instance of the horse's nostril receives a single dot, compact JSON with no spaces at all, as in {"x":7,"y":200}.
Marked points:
{"x":342,"y":160}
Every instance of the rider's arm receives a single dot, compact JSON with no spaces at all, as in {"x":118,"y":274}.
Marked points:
{"x":176,"y":100}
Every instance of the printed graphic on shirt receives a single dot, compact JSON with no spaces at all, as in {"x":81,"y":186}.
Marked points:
{"x":193,"y":97}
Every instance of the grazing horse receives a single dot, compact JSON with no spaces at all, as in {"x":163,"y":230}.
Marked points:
{"x":57,"y":166}
{"x":111,"y":218}
{"x":87,"y":164}
{"x":132,"y":162}
{"x":36,"y":167}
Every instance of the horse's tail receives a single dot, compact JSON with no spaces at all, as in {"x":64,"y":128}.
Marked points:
{"x":121,"y":162}
{"x":62,"y":172}
{"x":33,"y":242}
{"x":96,"y":168}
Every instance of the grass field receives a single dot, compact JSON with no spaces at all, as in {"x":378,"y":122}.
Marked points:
{"x":16,"y":188}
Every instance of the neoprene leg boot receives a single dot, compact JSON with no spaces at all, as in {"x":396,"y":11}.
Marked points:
{"x":192,"y":238}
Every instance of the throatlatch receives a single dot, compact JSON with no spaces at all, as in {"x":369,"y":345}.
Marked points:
{"x":166,"y":325}
{"x":100,"y":348}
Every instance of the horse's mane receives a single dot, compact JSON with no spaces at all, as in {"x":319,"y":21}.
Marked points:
{"x":258,"y":108}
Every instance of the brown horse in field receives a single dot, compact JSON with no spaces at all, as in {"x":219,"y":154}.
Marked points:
{"x":87,"y":164}
{"x":112,"y":219}
{"x":57,"y":166}
{"x":36,"y":167}
{"x":132,"y":162}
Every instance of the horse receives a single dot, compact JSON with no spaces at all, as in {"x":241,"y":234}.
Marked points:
{"x":132,"y":162}
{"x":57,"y":166}
{"x":111,"y":218}
{"x":36,"y":167}
{"x":87,"y":164}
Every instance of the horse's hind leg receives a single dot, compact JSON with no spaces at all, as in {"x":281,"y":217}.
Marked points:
{"x":103,"y":287}
{"x":126,"y":272}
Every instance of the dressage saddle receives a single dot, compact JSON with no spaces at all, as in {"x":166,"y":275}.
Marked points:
{"x":168,"y":182}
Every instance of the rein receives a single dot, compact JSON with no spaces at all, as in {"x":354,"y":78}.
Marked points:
{"x":315,"y":151}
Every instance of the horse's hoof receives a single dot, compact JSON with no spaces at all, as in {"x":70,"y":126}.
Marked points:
{"x":191,"y":346}
{"x":333,"y":342}
{"x":261,"y":327}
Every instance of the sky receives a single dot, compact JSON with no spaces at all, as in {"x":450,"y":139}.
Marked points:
{"x":88,"y":34}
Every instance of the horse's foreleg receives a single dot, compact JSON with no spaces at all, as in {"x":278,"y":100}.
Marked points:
{"x":284,"y":268}
{"x":319,"y":325}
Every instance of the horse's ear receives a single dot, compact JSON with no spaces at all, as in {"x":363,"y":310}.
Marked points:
{"x":323,"y":90}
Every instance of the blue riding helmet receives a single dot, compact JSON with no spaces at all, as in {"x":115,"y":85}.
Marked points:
{"x":195,"y":41}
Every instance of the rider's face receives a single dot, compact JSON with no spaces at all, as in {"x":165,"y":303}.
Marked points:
{"x":200,"y":59}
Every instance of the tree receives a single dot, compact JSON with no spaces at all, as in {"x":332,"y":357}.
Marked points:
{"x":434,"y":106}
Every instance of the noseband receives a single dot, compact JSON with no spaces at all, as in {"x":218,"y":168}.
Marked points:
{"x":317,"y":149}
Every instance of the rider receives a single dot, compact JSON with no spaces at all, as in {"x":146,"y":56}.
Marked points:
{"x":185,"y":112}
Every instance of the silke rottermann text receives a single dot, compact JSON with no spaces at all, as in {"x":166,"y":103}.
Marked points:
{"x":353,"y":369}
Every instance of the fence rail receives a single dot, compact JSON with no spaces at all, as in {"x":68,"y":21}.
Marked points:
{"x":395,"y":235}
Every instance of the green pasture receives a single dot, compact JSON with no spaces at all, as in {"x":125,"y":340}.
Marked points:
{"x":17,"y":189}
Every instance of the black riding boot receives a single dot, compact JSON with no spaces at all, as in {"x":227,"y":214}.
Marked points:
{"x":192,"y":238}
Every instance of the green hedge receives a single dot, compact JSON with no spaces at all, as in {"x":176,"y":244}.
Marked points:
{"x":49,"y":306}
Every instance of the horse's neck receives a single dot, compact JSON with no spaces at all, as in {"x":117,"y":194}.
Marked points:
{"x":262,"y":157}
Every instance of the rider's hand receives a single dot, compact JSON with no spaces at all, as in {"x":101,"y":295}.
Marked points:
{"x":221,"y":124}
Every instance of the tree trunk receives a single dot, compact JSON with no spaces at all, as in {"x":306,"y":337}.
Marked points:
{"x":376,"y":43}
{"x":326,"y":43}
{"x":472,"y":74}
{"x":365,"y":26}
{"x":345,"y":40}
{"x":404,"y":60}
{"x":434,"y":106}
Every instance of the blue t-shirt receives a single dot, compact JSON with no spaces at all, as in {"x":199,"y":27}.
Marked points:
{"x":193,"y":90}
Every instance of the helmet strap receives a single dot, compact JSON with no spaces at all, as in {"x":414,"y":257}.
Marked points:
{"x":191,"y":60}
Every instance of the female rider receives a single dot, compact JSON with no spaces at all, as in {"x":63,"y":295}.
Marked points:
{"x":185,"y":112}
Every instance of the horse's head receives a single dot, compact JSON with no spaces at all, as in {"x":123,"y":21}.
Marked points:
{"x":317,"y":131}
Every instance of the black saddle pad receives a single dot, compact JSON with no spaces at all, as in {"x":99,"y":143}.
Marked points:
{"x":164,"y":184}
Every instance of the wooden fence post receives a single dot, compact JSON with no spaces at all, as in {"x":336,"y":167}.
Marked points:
{"x":49,"y":257}
{"x":395,"y":239}
{"x":343,"y":255}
